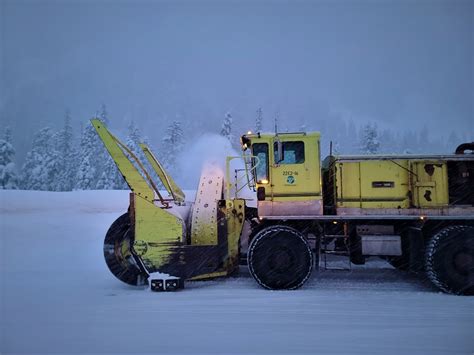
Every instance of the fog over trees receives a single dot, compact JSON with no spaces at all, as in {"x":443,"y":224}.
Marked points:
{"x":66,"y":160}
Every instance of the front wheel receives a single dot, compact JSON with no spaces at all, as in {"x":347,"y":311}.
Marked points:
{"x":279,"y":257}
{"x":118,"y":252}
{"x":449,"y":260}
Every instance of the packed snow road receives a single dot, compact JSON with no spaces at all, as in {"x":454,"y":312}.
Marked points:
{"x":57,"y":296}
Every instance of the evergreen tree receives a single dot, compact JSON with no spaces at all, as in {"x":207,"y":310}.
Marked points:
{"x":172,"y":144}
{"x":40,"y":169}
{"x":259,"y":120}
{"x":106,"y":181}
{"x":67,"y":156}
{"x":7,"y":134}
{"x":133,"y":139}
{"x":87,"y":172}
{"x":226,"y":129}
{"x":8,"y":176}
{"x":109,"y":176}
{"x":369,"y":143}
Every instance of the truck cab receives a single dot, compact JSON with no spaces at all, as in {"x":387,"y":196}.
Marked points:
{"x":286,"y":170}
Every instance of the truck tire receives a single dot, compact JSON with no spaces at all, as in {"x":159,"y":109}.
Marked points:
{"x":118,"y":255}
{"x":449,"y":260}
{"x":279,"y":257}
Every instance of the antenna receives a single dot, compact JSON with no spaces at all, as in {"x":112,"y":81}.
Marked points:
{"x":277,"y":116}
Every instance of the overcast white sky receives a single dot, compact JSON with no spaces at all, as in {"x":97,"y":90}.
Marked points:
{"x":395,"y":62}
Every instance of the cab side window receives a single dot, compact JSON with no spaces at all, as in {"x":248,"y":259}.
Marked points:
{"x":293,"y":153}
{"x":260,"y":150}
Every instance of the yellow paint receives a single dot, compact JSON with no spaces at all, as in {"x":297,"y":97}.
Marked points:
{"x":355,"y":179}
{"x":292,"y":182}
{"x":159,"y":230}
{"x":412,"y":186}
{"x":235,"y":217}
{"x":134,"y":179}
{"x":209,"y":276}
{"x":430,"y":190}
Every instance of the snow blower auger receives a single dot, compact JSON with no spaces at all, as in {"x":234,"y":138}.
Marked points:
{"x":415,"y":211}
{"x":164,"y":241}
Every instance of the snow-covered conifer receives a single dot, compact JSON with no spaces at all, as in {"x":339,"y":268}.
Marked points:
{"x":7,"y":134}
{"x":369,"y":143}
{"x":8,"y":176}
{"x":41,"y":165}
{"x":87,"y":172}
{"x":226,"y":129}
{"x":67,"y":156}
{"x":172,"y":144}
{"x":108,"y":173}
{"x":133,"y":139}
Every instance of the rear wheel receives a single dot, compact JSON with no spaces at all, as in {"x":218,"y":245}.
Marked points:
{"x":449,"y":260}
{"x":118,"y":253}
{"x":279,"y":257}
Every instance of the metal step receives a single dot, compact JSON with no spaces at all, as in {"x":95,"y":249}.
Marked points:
{"x":325,"y":240}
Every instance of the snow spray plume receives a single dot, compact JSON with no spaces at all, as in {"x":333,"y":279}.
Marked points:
{"x":209,"y":149}
{"x":208,"y":152}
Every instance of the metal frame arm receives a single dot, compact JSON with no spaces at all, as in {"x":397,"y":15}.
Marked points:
{"x":168,"y":182}
{"x":130,"y":173}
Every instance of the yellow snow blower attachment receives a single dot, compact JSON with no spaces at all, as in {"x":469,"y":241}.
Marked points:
{"x":165,"y":241}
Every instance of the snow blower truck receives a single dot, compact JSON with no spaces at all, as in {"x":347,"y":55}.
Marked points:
{"x":415,"y":211}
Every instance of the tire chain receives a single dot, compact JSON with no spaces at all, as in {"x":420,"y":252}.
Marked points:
{"x":273,"y":230}
{"x":429,"y":253}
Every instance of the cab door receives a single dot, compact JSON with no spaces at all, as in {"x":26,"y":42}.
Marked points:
{"x":295,"y":174}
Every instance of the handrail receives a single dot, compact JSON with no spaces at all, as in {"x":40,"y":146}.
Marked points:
{"x":228,"y":182}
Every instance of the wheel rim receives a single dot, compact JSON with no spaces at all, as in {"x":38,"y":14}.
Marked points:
{"x":282,"y":260}
{"x":118,"y":253}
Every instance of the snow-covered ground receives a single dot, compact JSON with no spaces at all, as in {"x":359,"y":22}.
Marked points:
{"x":57,"y":296}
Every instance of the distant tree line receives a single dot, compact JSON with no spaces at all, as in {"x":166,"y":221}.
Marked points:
{"x":60,"y":161}
{"x":63,"y":161}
